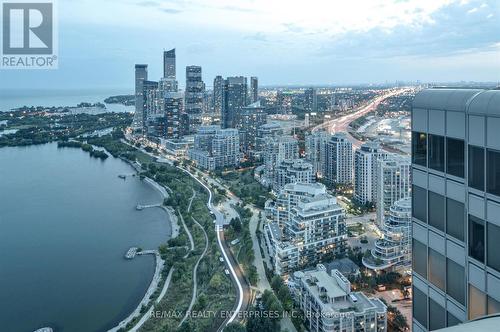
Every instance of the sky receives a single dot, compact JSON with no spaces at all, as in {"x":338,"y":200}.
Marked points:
{"x":283,"y":42}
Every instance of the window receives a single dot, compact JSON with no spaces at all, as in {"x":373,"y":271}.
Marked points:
{"x":455,"y":154}
{"x":437,"y":269}
{"x":452,"y":320}
{"x":477,"y":303}
{"x":436,"y":316}
{"x":420,"y":306}
{"x":476,"y":167}
{"x":419,"y":148}
{"x":436,"y":152}
{"x":493,"y":306}
{"x":436,"y":210}
{"x":455,"y":281}
{"x":419,"y":203}
{"x":455,"y":223}
{"x":419,"y":251}
{"x":493,"y":171}
{"x":476,"y":238}
{"x":493,"y":244}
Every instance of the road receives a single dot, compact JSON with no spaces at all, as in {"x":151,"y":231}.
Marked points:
{"x":244,"y":291}
{"x":341,"y":124}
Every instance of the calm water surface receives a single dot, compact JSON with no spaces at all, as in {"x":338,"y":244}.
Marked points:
{"x":66,"y":220}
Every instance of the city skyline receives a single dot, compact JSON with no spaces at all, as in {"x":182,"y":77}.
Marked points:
{"x":354,"y":43}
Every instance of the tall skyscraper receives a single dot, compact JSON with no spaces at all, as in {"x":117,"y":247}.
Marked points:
{"x":254,"y":89}
{"x":315,"y":148}
{"x":141,"y":75}
{"x":393,"y":183}
{"x":248,"y":120}
{"x":169,"y":64}
{"x":235,"y":98}
{"x":219,"y":95}
{"x":194,"y":96}
{"x":365,"y":172}
{"x":339,"y":160}
{"x":310,"y":100}
{"x":455,"y":206}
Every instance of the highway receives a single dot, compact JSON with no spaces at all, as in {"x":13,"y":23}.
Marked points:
{"x":244,"y":291}
{"x":341,"y":124}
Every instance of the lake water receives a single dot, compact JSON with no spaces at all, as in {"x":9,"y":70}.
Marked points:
{"x":66,"y":221}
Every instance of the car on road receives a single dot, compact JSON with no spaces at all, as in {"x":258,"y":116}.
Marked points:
{"x":226,"y":271}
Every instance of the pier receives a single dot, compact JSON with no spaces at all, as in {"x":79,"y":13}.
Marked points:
{"x":140,"y":207}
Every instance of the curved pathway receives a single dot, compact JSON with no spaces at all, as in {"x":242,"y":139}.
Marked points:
{"x":195,"y":270}
{"x":187,"y":231}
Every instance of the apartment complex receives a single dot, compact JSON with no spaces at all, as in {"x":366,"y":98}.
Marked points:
{"x":456,"y":206}
{"x":328,"y":304}
{"x":292,"y":171}
{"x":365,"y":172}
{"x":339,"y":160}
{"x":307,"y":227}
{"x":215,"y":148}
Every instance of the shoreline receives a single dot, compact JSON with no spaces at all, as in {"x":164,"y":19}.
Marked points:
{"x":159,"y":262}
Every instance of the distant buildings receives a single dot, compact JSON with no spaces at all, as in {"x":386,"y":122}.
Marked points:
{"x":365,"y":173}
{"x":254,"y":89}
{"x":264,"y":133}
{"x":339,"y":160}
{"x":169,"y":64}
{"x":310,"y":100}
{"x":235,"y":97}
{"x":215,"y":148}
{"x":292,"y":171}
{"x":315,"y":149}
{"x":194,"y":97}
{"x":141,"y":75}
{"x":393,"y":251}
{"x":393,"y":183}
{"x":328,"y":304}
{"x":307,"y":227}
{"x":219,"y":95}
{"x":248,"y":120}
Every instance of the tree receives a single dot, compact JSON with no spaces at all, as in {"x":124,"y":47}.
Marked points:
{"x":234,"y":327}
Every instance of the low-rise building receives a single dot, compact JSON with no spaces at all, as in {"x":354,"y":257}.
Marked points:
{"x":328,"y":303}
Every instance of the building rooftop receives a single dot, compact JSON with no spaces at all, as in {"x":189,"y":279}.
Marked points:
{"x":344,"y":265}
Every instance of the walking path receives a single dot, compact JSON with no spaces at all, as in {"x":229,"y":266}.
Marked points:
{"x":187,"y":231}
{"x":263,"y":283}
{"x":195,"y":270}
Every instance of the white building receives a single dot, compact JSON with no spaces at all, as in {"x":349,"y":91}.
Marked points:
{"x":292,"y":171}
{"x":393,"y":251}
{"x":307,"y":227}
{"x":215,"y":148}
{"x":328,"y":303}
{"x":276,"y":150}
{"x":365,"y":172}
{"x":393,"y":183}
{"x":339,"y":160}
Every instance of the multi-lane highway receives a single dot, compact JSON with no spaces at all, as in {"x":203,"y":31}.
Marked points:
{"x":341,"y":123}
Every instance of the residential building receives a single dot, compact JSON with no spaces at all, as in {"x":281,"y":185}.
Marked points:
{"x":169,"y":64}
{"x":141,"y":75}
{"x":292,"y":171}
{"x":215,"y":148}
{"x":365,"y":172}
{"x":393,"y":183}
{"x":310,"y":100}
{"x":219,"y":95}
{"x":339,"y":160}
{"x":309,"y":227}
{"x":393,"y":251}
{"x":235,"y":89}
{"x":315,"y":151}
{"x":254,"y":89}
{"x":455,"y":206}
{"x":266,"y":132}
{"x":329,"y":305}
{"x":194,"y":97}
{"x":275,"y":151}
{"x":248,"y":120}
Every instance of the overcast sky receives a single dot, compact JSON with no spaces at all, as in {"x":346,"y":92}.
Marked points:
{"x":280,"y":41}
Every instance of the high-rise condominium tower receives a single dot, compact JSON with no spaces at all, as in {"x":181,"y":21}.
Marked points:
{"x":194,"y":96}
{"x":254,"y":89}
{"x":235,"y":90}
{"x":169,"y":64}
{"x":141,"y":75}
{"x":219,"y":94}
{"x":456,"y":206}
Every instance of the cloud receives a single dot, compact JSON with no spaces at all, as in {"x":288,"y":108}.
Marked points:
{"x":258,"y":36}
{"x":148,"y":3}
{"x":171,"y":10}
{"x":292,"y":27}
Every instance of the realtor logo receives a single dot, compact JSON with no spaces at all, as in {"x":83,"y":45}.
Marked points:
{"x":28,"y":35}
